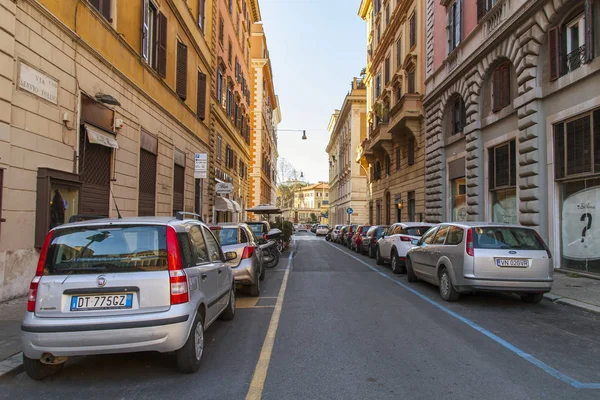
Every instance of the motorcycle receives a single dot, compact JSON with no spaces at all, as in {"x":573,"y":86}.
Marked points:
{"x":271,"y":248}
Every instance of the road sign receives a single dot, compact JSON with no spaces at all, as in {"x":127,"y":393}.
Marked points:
{"x":224,"y":188}
{"x":201,"y":166}
{"x":349,"y":210}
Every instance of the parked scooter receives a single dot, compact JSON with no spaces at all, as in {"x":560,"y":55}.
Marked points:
{"x":328,"y":236}
{"x":270,"y":248}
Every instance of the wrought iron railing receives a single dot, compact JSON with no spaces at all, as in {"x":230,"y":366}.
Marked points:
{"x":576,"y":58}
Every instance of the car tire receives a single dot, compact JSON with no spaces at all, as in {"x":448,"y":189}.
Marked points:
{"x":190,"y":355}
{"x":532,"y":298}
{"x":410,"y":273}
{"x":255,"y":289}
{"x":447,"y":290}
{"x":229,"y":313}
{"x":371,"y":255}
{"x":378,"y":258}
{"x":37,"y":370}
{"x":262,"y":273}
{"x":396,"y":267}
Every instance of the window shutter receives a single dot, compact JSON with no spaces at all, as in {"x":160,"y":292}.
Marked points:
{"x":461,"y":13}
{"x":201,"y":6}
{"x":201,"y":106}
{"x":411,"y":151}
{"x":162,"y":45}
{"x":413,"y":29}
{"x":181,"y":82}
{"x":589,"y":30}
{"x":491,"y":168}
{"x":506,"y":85}
{"x":105,"y":9}
{"x":513,"y":163}
{"x":398,"y":52}
{"x":450,"y":28}
{"x":553,"y":37}
{"x":481,"y":9}
{"x":497,"y":89}
{"x":145,"y":24}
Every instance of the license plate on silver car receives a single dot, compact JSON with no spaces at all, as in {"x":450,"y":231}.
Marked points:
{"x":101,"y":302}
{"x":512,"y":262}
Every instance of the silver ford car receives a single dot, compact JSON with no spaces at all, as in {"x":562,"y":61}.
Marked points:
{"x":125,"y":285}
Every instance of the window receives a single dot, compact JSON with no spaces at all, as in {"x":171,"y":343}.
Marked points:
{"x":387,"y":14}
{"x":411,"y":151}
{"x":198,"y":245}
{"x":398,"y":53}
{"x":201,"y":14}
{"x":201,"y":99}
{"x":149,"y":33}
{"x":454,"y":28}
{"x":427,"y":238}
{"x":503,"y":183}
{"x":458,"y":116}
{"x":198,"y":194}
{"x":387,"y":70}
{"x":398,"y":158}
{"x":412,"y":206}
{"x":378,"y":86}
{"x":229,"y":52}
{"x":147,"y":175}
{"x":455,"y":236}
{"x":104,"y":7}
{"x":577,"y":146}
{"x":388,"y":165}
{"x":221,"y":31}
{"x":440,"y":236}
{"x":229,"y":100}
{"x":413,"y":30}
{"x":161,"y":51}
{"x":220,"y":85}
{"x":411,"y":81}
{"x":181,"y":81}
{"x":483,"y":6}
{"x":219,"y":147}
{"x":501,"y":87}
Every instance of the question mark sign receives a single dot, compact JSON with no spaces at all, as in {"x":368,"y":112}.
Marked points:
{"x":588,"y":226}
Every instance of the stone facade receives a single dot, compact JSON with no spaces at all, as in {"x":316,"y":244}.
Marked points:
{"x":548,"y":85}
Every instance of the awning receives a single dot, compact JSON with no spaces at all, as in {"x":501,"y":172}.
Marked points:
{"x":236,"y":206}
{"x":97,"y":136}
{"x":224,"y":204}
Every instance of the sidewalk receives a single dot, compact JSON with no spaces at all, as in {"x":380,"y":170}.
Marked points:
{"x":576,"y":291}
{"x":11,"y":314}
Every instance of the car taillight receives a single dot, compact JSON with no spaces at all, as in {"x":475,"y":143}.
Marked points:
{"x":405,"y":239}
{"x":248,"y":252}
{"x":33,"y":286}
{"x":470,"y":249}
{"x":544,"y":244}
{"x":266,"y":237}
{"x":177,"y":276}
{"x":373,"y":239}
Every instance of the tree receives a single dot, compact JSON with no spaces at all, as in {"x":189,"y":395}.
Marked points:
{"x":286,"y":172}
{"x":313,"y":218}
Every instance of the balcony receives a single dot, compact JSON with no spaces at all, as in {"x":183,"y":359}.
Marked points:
{"x":575,"y":59}
{"x":406,"y":114}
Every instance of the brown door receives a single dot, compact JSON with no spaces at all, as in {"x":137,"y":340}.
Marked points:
{"x":178,"y":181}
{"x":147,"y":184}
{"x":95,"y":176}
{"x":388,"y":207}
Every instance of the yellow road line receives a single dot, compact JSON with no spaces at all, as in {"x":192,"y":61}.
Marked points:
{"x":260,"y":372}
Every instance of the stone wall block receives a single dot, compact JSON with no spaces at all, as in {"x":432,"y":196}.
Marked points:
{"x":528,"y":158}
{"x":531,"y":169}
{"x":528,"y":121}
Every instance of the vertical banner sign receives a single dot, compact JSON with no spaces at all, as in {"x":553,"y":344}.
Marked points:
{"x":580,"y":219}
{"x":200,"y":166}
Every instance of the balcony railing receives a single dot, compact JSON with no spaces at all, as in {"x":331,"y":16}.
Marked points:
{"x":576,"y":58}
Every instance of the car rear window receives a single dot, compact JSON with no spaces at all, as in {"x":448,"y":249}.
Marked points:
{"x":322,"y":226}
{"x":416,"y":230}
{"x":107,"y":249}
{"x":256,"y":228}
{"x":228,"y":236}
{"x":491,"y":237}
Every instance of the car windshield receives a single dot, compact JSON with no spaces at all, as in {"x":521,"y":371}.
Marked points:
{"x":107,"y":249}
{"x":228,"y":236}
{"x":379,"y":232}
{"x":257,"y":229}
{"x":507,"y":238}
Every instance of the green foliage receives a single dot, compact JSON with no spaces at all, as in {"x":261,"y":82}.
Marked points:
{"x":288,"y":230}
{"x":313,"y":218}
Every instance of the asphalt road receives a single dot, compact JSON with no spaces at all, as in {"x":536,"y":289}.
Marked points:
{"x":344,"y":328}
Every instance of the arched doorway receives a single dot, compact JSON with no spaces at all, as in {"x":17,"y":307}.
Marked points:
{"x":388,"y":207}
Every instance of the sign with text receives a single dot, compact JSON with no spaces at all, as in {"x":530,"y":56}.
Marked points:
{"x":200,"y":166}
{"x":580,"y":235}
{"x":224,"y":188}
{"x":33,"y":81}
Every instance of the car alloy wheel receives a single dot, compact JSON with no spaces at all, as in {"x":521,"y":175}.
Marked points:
{"x":447,"y":291}
{"x":199,"y":340}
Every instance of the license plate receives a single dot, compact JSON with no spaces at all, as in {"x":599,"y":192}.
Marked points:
{"x":101,"y":302}
{"x":511,"y":262}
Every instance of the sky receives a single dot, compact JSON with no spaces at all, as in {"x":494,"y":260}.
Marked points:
{"x":316,"y":48}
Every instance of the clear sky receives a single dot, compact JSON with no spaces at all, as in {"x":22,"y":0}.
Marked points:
{"x":316,"y":47}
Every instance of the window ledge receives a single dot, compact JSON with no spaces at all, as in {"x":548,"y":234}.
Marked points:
{"x":450,"y":139}
{"x":498,"y":116}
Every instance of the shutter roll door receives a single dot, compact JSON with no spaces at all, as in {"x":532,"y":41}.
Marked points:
{"x":178,"y":183}
{"x":95,"y":176}
{"x":147,"y":182}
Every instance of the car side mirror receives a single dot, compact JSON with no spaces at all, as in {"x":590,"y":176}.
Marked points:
{"x":415,"y":242}
{"x":230,"y":255}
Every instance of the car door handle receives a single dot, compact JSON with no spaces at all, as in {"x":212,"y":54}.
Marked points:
{"x":204,"y":277}
{"x":220,"y":271}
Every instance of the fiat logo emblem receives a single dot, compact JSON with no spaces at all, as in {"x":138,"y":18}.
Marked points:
{"x":101,"y":281}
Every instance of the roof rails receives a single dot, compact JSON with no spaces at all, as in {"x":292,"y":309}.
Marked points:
{"x":179,"y":215}
{"x":85,"y":217}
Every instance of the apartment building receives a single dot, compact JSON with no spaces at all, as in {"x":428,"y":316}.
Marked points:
{"x":102,"y":105}
{"x":394,"y":150}
{"x":230,"y":108}
{"x":265,"y":115}
{"x":348,"y":179}
{"x":513,"y":119}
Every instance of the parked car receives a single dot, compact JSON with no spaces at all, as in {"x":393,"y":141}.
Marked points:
{"x":247,"y":267}
{"x":125,"y":285}
{"x":396,"y":241}
{"x":313,"y":228}
{"x":348,"y":235}
{"x":335,"y":234}
{"x":343,"y":232}
{"x":302,"y":228}
{"x":369,"y":243}
{"x":467,"y":257}
{"x":259,"y":228}
{"x":322,"y":230}
{"x":358,"y":236}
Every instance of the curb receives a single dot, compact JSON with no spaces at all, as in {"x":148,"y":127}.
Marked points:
{"x":11,"y":364}
{"x":572,"y":303}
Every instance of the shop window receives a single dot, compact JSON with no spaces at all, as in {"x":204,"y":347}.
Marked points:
{"x":458,"y":189}
{"x":502,"y":177}
{"x":577,"y":146}
{"x":412,"y":206}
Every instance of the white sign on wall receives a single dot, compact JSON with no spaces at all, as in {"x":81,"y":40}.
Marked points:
{"x":581,"y":225}
{"x":224,"y":188}
{"x":200,"y":166}
{"x":38,"y":83}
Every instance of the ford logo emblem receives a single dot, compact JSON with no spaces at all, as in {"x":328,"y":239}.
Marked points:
{"x":512,"y":252}
{"x":101,"y":281}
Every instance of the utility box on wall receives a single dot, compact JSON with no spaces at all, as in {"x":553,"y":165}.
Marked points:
{"x":57,"y":200}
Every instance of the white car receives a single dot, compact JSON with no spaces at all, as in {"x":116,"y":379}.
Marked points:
{"x":396,"y":241}
{"x":335,"y":234}
{"x":322,"y":230}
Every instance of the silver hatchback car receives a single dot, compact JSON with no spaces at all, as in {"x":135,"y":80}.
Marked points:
{"x":247,"y":267}
{"x":125,"y":285}
{"x":467,"y":257}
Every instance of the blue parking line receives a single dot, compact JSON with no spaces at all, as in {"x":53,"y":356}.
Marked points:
{"x":524,"y":355}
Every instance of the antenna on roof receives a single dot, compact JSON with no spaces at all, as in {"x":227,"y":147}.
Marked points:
{"x":115,"y":201}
